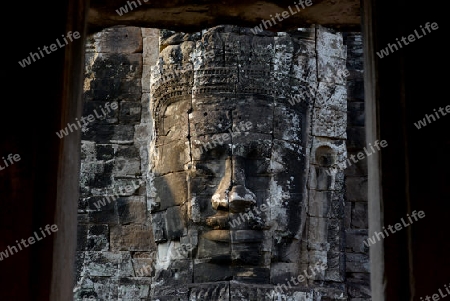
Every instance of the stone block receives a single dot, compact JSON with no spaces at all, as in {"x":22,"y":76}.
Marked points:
{"x":99,"y":112}
{"x":101,"y":209}
{"x":116,"y":40}
{"x":358,"y":289}
{"x":127,"y":151}
{"x":133,"y":289}
{"x":81,"y":237}
{"x":143,"y":132}
{"x":209,"y":249}
{"x":247,"y":254}
{"x":88,"y":151}
{"x":159,"y":226}
{"x":145,"y":111}
{"x":336,"y":235}
{"x":97,"y":238}
{"x":209,"y":272}
{"x":357,"y":263}
{"x":356,"y":114}
{"x":109,"y":264}
{"x":131,"y":238}
{"x":143,"y":264}
{"x":319,"y":203}
{"x":331,"y":97}
{"x":360,"y":216}
{"x":127,"y":167}
{"x":146,"y":75}
{"x":104,"y":152}
{"x":355,"y":240}
{"x":358,"y":169}
{"x":289,"y":125}
{"x":132,"y":210}
{"x":171,"y":190}
{"x":348,"y":215}
{"x":330,"y":43}
{"x":355,"y":90}
{"x":214,"y":291}
{"x":280,"y":271}
{"x":173,"y":281}
{"x":99,"y":288}
{"x":356,"y":189}
{"x":243,"y":292}
{"x":150,"y":32}
{"x":329,"y":123}
{"x":336,"y":267}
{"x":357,"y":140}
{"x":219,"y":121}
{"x":317,"y":231}
{"x":130,"y":112}
{"x":151,"y":50}
{"x":175,"y":218}
{"x":109,"y":133}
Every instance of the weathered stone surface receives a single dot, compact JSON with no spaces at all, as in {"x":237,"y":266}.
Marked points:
{"x":240,"y":292}
{"x":176,"y":278}
{"x":109,"y":134}
{"x":358,"y":138}
{"x":355,"y":240}
{"x":123,"y":82}
{"x":175,"y":216}
{"x":177,"y":102}
{"x":357,"y":263}
{"x":131,"y":238}
{"x":356,"y":189}
{"x":171,"y":190}
{"x":130,"y":112}
{"x":116,"y":40}
{"x":359,"y":216}
{"x":133,"y":289}
{"x":358,"y":169}
{"x":143,"y":264}
{"x":112,"y":264}
{"x":97,"y":238}
{"x":193,"y":16}
{"x":356,"y":114}
{"x":101,"y":209}
{"x":132,"y":210}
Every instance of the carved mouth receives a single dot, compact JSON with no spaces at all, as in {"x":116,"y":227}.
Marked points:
{"x":219,"y":220}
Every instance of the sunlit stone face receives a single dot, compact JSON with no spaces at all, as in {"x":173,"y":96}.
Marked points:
{"x":239,"y":184}
{"x":246,"y":194}
{"x":228,"y":163}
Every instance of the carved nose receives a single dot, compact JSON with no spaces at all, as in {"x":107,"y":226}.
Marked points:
{"x":232,"y":194}
{"x":241,"y":198}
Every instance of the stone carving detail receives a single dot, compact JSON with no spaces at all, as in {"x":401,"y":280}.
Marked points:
{"x":243,"y":203}
{"x":211,"y":181}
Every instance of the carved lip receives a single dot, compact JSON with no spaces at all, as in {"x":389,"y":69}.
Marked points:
{"x":219,"y":220}
{"x":234,"y":236}
{"x":218,"y":235}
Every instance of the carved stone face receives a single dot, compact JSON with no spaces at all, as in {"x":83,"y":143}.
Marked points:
{"x":237,"y":196}
{"x":228,"y":169}
{"x":246,"y":193}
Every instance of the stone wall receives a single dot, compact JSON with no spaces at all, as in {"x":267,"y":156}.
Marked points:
{"x":117,"y":254}
{"x":356,"y":222}
{"x":115,"y":240}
